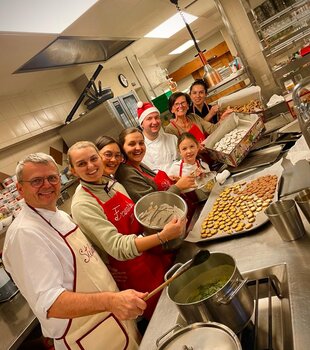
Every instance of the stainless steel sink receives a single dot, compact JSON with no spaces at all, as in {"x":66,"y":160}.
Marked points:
{"x":271,"y":324}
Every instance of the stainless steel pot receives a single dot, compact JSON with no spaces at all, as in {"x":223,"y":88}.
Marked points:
{"x":207,"y":336}
{"x":158,"y":198}
{"x":231,"y":305}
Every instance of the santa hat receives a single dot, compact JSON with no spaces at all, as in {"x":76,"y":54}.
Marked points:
{"x":144,"y":109}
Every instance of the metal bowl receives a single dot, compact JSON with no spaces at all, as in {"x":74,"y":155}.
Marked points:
{"x":158,"y":198}
{"x":200,"y":335}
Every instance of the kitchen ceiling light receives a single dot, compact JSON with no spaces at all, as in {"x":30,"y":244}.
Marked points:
{"x":183,"y":47}
{"x":33,"y":16}
{"x":170,"y":26}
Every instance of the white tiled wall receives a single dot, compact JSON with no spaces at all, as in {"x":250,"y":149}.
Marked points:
{"x":41,"y":143}
{"x":31,"y":113}
{"x":29,"y":122}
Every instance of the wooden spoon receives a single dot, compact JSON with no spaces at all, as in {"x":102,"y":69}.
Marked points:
{"x":198,"y":259}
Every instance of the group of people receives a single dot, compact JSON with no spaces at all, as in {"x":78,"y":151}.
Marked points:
{"x":86,"y":277}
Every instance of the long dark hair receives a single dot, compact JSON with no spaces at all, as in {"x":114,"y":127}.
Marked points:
{"x":122,"y":136}
{"x":176,"y":95}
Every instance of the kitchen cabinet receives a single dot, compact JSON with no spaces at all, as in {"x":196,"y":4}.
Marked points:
{"x":283,"y":28}
{"x":217,"y":57}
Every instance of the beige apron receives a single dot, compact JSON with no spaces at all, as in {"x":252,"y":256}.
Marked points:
{"x":104,"y":330}
{"x":100,"y":331}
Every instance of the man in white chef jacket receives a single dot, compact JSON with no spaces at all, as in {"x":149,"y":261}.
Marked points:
{"x":161,"y":148}
{"x":57,"y":270}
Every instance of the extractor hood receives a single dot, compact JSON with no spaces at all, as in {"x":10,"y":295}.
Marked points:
{"x":68,"y":51}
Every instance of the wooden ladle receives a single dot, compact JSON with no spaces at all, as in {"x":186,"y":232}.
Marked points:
{"x":198,"y":259}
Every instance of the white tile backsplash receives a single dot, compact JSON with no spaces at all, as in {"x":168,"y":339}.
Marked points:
{"x":19,"y":127}
{"x":33,"y":102}
{"x":39,"y":143}
{"x":33,"y":112}
{"x":7,"y":109}
{"x":19,"y":104}
{"x":30,"y":122}
{"x":6,"y":132}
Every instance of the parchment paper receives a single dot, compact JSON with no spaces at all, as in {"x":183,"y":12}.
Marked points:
{"x":195,"y":234}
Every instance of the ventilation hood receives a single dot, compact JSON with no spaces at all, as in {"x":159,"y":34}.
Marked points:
{"x":68,"y":51}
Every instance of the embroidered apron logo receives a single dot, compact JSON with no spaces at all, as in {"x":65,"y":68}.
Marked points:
{"x":119,"y":214}
{"x":88,"y":251}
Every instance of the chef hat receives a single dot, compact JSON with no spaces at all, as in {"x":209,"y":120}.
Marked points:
{"x":144,"y":109}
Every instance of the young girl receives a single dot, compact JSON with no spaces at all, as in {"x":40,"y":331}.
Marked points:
{"x":188,"y":147}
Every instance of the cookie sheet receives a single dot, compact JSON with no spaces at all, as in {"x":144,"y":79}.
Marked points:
{"x":195,"y":234}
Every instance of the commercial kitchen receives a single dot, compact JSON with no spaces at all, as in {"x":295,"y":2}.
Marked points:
{"x":65,"y":82}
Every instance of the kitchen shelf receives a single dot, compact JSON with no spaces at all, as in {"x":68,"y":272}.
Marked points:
{"x":288,"y":25}
{"x":291,"y":66}
{"x":288,"y":42}
{"x":281,"y":37}
{"x":283,"y":12}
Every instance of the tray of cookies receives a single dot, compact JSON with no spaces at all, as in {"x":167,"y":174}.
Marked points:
{"x":237,"y":208}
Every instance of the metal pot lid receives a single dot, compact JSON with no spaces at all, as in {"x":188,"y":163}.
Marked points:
{"x":202,"y":336}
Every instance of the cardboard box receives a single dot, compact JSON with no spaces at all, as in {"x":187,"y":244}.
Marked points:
{"x":251,"y":122}
{"x":242,"y":99}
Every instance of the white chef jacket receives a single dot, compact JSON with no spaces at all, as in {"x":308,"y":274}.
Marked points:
{"x":161,"y":152}
{"x":187,"y":168}
{"x":40,"y":263}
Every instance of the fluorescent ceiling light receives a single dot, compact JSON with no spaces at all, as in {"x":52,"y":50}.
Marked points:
{"x":183,"y":47}
{"x":171,"y":26}
{"x":41,"y":16}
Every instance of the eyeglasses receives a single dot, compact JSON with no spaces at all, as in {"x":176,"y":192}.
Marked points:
{"x":39,"y":181}
{"x":183,"y":103}
{"x":110,"y":155}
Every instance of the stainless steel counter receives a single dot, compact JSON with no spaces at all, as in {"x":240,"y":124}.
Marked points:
{"x":255,"y":250}
{"x":16,"y":322}
{"x":16,"y":318}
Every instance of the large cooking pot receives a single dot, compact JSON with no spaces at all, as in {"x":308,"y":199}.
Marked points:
{"x":206,"y":336}
{"x":213,"y":291}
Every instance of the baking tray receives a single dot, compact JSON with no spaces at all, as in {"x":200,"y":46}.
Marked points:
{"x":258,"y":158}
{"x":277,"y":122}
{"x":292,"y":127}
{"x":195,"y":234}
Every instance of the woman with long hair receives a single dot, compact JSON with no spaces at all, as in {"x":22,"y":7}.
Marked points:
{"x":136,"y":177}
{"x":104,"y":212}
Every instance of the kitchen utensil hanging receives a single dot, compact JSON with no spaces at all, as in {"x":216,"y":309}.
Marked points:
{"x":211,"y":75}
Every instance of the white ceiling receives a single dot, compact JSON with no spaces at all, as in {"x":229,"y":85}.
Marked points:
{"x":130,"y":19}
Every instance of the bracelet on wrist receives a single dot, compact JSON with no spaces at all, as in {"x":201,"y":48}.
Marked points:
{"x":159,"y":238}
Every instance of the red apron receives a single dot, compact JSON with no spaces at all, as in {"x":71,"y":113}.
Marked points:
{"x":189,"y":197}
{"x":145,"y":272}
{"x":194,"y":130}
{"x":200,"y":136}
{"x":162,"y":180}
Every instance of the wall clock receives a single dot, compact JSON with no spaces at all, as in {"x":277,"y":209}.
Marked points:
{"x":123,"y":80}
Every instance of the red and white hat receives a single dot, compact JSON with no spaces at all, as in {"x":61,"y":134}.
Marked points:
{"x":144,"y":109}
